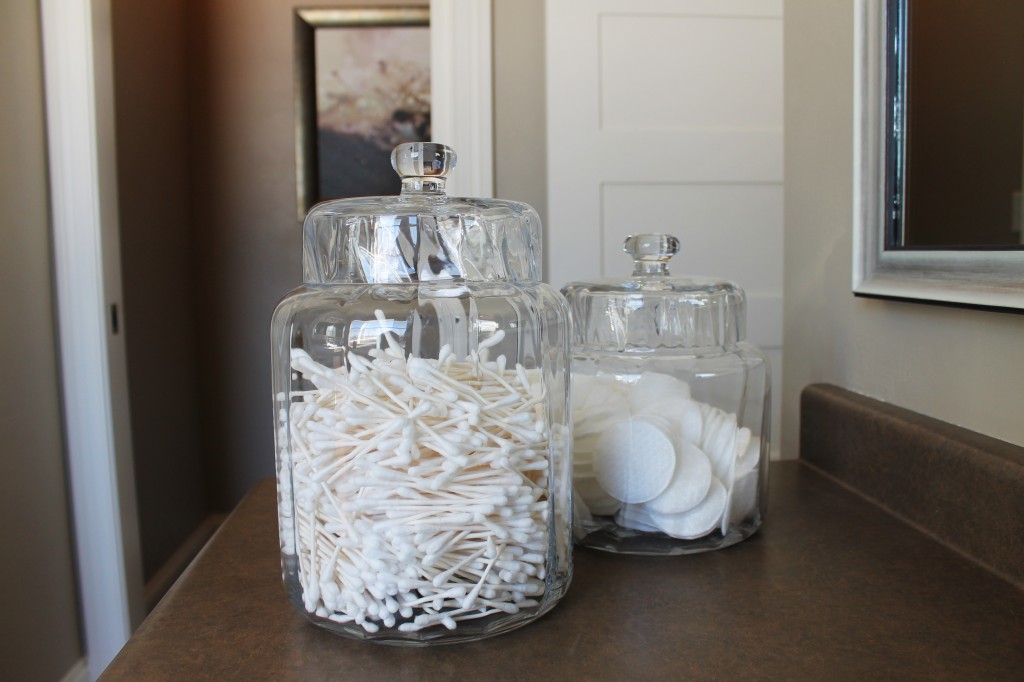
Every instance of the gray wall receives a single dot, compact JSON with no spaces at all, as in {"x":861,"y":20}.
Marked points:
{"x":39,"y":635}
{"x":961,"y":366}
{"x":243,"y":199}
{"x":209,"y":241}
{"x":233,"y":91}
{"x":247,"y":238}
{"x":158,"y":273}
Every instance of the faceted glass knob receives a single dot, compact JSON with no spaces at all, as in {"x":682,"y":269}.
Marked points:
{"x":423,"y":166}
{"x":651,"y":252}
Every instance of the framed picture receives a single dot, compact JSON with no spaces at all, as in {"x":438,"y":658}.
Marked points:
{"x":362,"y":80}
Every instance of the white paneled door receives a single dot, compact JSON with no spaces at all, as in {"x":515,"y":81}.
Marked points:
{"x":666,"y":116}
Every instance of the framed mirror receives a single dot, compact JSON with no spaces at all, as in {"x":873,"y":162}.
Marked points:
{"x":939,"y":151}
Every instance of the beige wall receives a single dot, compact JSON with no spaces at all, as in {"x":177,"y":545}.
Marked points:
{"x":157,"y":272}
{"x":962,"y":366}
{"x":39,"y":637}
{"x":520,"y":142}
{"x":209,"y":241}
{"x":248,"y":241}
{"x":959,"y":365}
{"x":242,"y":175}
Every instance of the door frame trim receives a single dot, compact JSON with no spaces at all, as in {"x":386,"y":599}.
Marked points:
{"x":83,"y":198}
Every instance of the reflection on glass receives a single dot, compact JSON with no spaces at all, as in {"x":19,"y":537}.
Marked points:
{"x":958,"y":124}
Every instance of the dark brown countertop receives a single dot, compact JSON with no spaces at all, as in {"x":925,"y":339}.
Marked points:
{"x":831,"y":588}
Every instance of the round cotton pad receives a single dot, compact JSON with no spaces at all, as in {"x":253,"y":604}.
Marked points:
{"x":740,"y":487}
{"x":748,"y":458}
{"x":592,"y":392}
{"x":634,"y":461}
{"x":700,"y":520}
{"x":690,"y":482}
{"x":636,"y":517}
{"x":684,"y":415}
{"x":653,"y":388}
{"x":743,"y":436}
{"x":719,"y":442}
{"x":691,"y":422}
{"x":744,"y":496}
{"x":595,"y":402}
{"x":593,"y":496}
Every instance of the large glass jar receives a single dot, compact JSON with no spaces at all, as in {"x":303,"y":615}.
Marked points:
{"x":421,"y":399}
{"x":670,"y":410}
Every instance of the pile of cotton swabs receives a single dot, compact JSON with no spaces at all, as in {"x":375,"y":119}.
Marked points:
{"x":420,"y":487}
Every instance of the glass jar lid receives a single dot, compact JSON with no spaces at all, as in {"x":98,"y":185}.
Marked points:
{"x":652,"y":309}
{"x":421,"y":235}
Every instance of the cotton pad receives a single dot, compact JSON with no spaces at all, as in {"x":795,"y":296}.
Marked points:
{"x":690,"y":482}
{"x":683,"y":414}
{"x":591,"y":494}
{"x":749,"y":455}
{"x":634,"y":460}
{"x":691,"y":422}
{"x":596,"y":402}
{"x":653,"y":388}
{"x":636,"y":517}
{"x":719,"y":442}
{"x":744,"y":496}
{"x":590,"y":392}
{"x":700,"y":520}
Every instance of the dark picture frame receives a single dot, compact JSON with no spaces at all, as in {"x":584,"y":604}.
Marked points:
{"x":362,"y":85}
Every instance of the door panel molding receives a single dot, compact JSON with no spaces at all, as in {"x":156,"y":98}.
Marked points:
{"x":461,"y":91}
{"x":667,"y":116}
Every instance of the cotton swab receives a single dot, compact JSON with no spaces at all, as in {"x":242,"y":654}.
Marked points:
{"x":420,"y":487}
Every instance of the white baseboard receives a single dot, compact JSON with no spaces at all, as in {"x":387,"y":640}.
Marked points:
{"x":79,"y":672}
{"x":157,"y":586}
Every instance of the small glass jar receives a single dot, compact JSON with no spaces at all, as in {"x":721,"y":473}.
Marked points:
{"x":671,"y":410}
{"x":421,"y":400}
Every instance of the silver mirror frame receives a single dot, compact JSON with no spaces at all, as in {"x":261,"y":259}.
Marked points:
{"x":987,"y":279}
